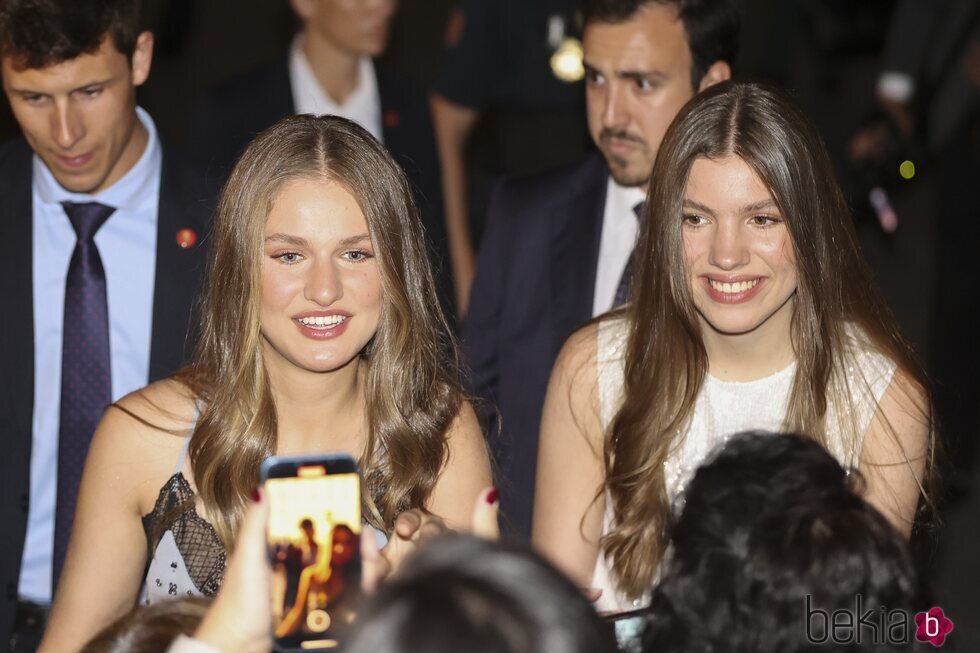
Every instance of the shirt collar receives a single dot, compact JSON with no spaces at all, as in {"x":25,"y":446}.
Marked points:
{"x":132,"y":192}
{"x":624,"y":198}
{"x":363,"y":106}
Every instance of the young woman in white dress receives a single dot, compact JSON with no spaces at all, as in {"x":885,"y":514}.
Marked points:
{"x":751,"y":309}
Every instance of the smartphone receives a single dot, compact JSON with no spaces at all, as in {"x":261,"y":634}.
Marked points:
{"x":628,"y":628}
{"x":314,"y":548}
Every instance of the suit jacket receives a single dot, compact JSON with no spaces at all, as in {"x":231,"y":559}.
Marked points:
{"x":231,"y":114}
{"x":535,"y":280}
{"x":185,"y":202}
{"x":929,"y":40}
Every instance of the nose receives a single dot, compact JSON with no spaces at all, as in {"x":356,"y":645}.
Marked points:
{"x":614,"y":114}
{"x":728,"y":248}
{"x":323,"y":283}
{"x":68,"y":127}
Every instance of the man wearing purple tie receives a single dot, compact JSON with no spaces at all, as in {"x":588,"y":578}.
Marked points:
{"x":556,"y":247}
{"x":101,"y":226}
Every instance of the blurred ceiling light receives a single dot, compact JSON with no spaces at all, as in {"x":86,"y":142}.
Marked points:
{"x":566,"y":62}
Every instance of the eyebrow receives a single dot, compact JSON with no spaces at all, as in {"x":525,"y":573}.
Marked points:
{"x":302,"y":242}
{"x":644,"y":75}
{"x":28,"y":91}
{"x":748,"y":208}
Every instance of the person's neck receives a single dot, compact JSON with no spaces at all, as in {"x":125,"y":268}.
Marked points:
{"x":753,"y":355}
{"x":336,"y":71}
{"x":319,"y":411}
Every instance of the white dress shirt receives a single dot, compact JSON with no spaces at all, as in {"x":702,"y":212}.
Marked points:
{"x":363,"y":106}
{"x":619,"y":230}
{"x":127,"y":247}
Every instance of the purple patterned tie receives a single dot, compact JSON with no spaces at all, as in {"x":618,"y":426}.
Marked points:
{"x":626,"y":280}
{"x":85,"y":380}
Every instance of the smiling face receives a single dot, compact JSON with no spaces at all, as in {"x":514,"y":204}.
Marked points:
{"x":321,"y":289}
{"x":738,"y":251}
{"x":637,"y":77}
{"x":79,"y":115}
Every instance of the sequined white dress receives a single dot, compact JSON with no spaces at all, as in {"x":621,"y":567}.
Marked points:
{"x":722,"y":409}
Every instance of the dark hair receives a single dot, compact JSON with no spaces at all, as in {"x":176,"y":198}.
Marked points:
{"x":150,"y":629}
{"x":462,"y":593}
{"x":711,"y":26}
{"x":838,"y":313}
{"x":772,"y":519}
{"x":41,"y":33}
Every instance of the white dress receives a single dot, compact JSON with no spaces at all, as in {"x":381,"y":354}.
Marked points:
{"x":722,"y":409}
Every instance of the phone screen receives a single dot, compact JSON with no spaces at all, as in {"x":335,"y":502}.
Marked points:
{"x":314,"y":547}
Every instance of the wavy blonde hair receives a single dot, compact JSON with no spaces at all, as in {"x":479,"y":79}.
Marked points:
{"x":665,"y":359}
{"x":411,"y":391}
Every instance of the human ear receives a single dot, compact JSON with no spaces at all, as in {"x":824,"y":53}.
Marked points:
{"x":304,"y":9}
{"x":719,"y":71}
{"x":142,"y":57}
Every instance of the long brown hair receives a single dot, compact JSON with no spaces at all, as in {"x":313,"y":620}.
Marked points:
{"x":411,"y":390}
{"x":665,"y":359}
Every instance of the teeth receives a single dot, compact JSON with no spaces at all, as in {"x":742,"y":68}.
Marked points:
{"x":733,"y":288}
{"x":322,"y":321}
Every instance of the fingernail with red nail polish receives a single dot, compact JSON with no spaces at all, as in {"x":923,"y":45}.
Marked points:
{"x":256,"y":497}
{"x":492,"y":496}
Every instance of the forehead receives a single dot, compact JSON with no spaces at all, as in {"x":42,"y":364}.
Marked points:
{"x":316,"y":207}
{"x":652,"y":39}
{"x":725,"y":182}
{"x":105,"y":63}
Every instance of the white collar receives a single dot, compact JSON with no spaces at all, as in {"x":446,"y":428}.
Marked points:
{"x":363,"y":106}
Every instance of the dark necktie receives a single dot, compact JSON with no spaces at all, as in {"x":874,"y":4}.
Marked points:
{"x":626,"y":280}
{"x":85,"y":381}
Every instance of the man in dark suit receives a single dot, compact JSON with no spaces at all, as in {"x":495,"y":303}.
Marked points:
{"x":556,"y":248}
{"x":103,"y":228}
{"x":330,"y":69}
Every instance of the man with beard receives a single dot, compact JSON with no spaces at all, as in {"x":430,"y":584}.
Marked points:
{"x":556,"y":248}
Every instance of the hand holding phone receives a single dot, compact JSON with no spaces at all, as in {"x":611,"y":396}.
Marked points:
{"x":313,"y":540}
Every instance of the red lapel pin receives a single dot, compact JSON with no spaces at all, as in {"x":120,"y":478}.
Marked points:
{"x":186,"y":238}
{"x":391,"y":118}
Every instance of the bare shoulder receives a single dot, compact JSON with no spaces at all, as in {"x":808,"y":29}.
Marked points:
{"x":577,"y":359}
{"x":141,"y":436}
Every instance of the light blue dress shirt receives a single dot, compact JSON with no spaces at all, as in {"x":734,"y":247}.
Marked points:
{"x":127,"y":246}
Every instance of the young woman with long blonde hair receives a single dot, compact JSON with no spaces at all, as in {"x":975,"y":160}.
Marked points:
{"x":320,"y":331}
{"x":752,"y":309}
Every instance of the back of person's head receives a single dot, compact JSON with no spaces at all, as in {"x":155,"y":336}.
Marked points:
{"x":150,"y":629}
{"x":461,"y":593}
{"x":41,"y":33}
{"x":711,"y":26}
{"x":774,"y":535}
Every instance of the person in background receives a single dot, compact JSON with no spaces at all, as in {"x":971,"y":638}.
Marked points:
{"x":498,"y":79}
{"x":928,"y":91}
{"x":105,"y":226}
{"x":330,"y":69}
{"x":752,"y":309}
{"x":318,"y":334}
{"x":556,"y":246}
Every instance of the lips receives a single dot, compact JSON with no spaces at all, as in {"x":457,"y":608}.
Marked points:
{"x":322,"y":325}
{"x":76,"y":161}
{"x":732,"y":290}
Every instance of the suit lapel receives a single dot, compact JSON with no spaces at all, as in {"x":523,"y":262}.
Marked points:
{"x":16,"y":285}
{"x":176,"y":278}
{"x":576,"y":228}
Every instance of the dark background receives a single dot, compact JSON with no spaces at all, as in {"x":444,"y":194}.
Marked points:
{"x":830,"y":67}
